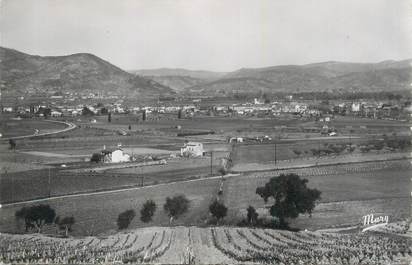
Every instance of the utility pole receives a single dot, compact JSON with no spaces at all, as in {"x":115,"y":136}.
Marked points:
{"x":211,"y":163}
{"x":1,"y":102}
{"x":275,"y":152}
{"x":12,"y":188}
{"x":49,"y":184}
{"x":319,"y":149}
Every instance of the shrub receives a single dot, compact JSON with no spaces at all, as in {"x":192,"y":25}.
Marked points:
{"x":252,"y":215}
{"x":125,"y":218}
{"x":218,"y":210}
{"x":176,"y":206}
{"x":65,"y":224}
{"x":35,"y":217}
{"x":96,"y":157}
{"x":147,"y":211}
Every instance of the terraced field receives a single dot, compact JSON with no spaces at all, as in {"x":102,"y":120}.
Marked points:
{"x":217,"y":245}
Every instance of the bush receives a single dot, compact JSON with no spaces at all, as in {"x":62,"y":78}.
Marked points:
{"x":125,"y":218}
{"x":96,"y":157}
{"x":176,"y":206}
{"x":35,"y":217}
{"x":147,"y":211}
{"x":297,"y":152}
{"x":12,"y":144}
{"x":252,"y":215}
{"x":218,"y":210}
{"x":65,"y":224}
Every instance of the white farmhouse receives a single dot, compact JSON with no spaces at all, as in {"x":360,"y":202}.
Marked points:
{"x":356,"y":107}
{"x":118,"y":156}
{"x":56,"y":113}
{"x":192,"y":149}
{"x":115,"y":156}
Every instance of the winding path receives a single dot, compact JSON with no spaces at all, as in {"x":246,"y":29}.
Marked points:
{"x":70,"y":126}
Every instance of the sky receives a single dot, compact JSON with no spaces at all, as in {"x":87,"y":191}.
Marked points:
{"x":217,"y":35}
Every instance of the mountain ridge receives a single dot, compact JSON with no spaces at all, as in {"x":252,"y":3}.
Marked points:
{"x":164,"y":71}
{"x":329,"y":76}
{"x":79,"y":72}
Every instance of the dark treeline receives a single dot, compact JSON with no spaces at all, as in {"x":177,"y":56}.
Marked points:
{"x":382,"y":95}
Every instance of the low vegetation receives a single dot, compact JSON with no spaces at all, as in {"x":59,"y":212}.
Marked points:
{"x":125,"y":218}
{"x":35,"y":217}
{"x":65,"y":224}
{"x":147,"y":211}
{"x":218,"y":210}
{"x":176,"y":206}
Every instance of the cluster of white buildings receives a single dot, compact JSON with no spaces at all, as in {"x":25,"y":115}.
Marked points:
{"x":275,"y":108}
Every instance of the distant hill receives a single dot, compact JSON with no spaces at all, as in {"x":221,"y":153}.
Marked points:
{"x":207,"y":75}
{"x":81,"y":72}
{"x":327,"y":76}
{"x":176,"y":82}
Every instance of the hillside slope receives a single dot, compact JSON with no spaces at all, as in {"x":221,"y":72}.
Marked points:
{"x":198,"y":74}
{"x":328,"y":76}
{"x":177,"y":82}
{"x":21,"y":73}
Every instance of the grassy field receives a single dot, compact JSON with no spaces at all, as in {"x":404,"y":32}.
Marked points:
{"x":348,"y":193}
{"x":10,"y":127}
{"x":76,"y":177}
{"x":98,"y":213}
{"x":305,"y":148}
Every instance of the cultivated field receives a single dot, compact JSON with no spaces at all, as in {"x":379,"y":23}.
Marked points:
{"x":97,"y":214}
{"x":12,"y":127}
{"x":348,"y":193}
{"x":220,"y":245}
{"x":55,"y":181}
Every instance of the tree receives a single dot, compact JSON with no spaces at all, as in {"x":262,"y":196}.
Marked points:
{"x":218,"y":210}
{"x":35,"y":217}
{"x":96,"y":157}
{"x":291,"y":196}
{"x":104,"y":111}
{"x":144,"y":115}
{"x":87,"y":112}
{"x":176,"y":206}
{"x":12,"y":144}
{"x":147,"y":211}
{"x":266,"y":98}
{"x":252,"y":215}
{"x":65,"y":224}
{"x":125,"y":218}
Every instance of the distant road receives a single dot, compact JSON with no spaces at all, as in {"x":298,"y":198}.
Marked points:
{"x":70,"y":126}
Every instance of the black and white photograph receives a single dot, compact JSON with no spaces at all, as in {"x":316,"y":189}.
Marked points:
{"x":206,"y":132}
